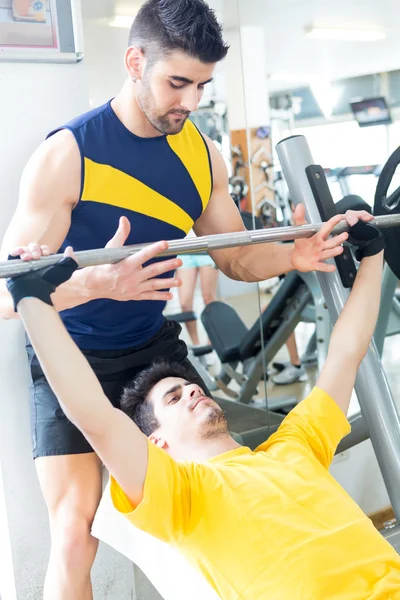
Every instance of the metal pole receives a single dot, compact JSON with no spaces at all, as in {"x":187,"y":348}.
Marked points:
{"x":90,"y":258}
{"x":389,"y":284}
{"x":372,"y":388}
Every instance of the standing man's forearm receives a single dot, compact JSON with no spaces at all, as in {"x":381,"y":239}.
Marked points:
{"x":260,"y":262}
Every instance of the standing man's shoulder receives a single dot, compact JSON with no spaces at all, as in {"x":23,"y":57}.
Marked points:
{"x":56,"y":165}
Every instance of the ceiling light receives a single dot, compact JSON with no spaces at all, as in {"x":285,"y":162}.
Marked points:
{"x":344,"y":34}
{"x":122,"y":21}
{"x":292,"y":77}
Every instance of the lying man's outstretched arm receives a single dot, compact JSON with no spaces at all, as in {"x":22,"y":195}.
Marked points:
{"x":113,"y":435}
{"x":318,"y":424}
{"x":354,"y":329}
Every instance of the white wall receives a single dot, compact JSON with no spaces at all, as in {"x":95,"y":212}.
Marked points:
{"x":357,"y":470}
{"x":35,"y":99}
{"x":104,"y":60}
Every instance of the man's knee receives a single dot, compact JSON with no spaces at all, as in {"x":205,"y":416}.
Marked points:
{"x":208,"y":298}
{"x":71,"y":538}
{"x":186,"y":304}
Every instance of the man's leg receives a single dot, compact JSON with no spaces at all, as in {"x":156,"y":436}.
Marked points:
{"x":209,"y":281}
{"x":292,"y":349}
{"x":186,"y":294}
{"x":71,"y":481}
{"x":71,"y":487}
{"x":294,"y":371}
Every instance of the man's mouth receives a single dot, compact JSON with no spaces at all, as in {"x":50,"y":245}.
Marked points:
{"x":178,"y":114}
{"x":198,"y":400}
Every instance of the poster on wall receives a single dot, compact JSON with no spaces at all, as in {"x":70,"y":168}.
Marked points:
{"x":39,"y":30}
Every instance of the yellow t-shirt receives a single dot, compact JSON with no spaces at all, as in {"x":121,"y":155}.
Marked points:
{"x":271,"y":524}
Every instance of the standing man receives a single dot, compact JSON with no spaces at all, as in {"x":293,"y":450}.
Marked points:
{"x":139,"y":161}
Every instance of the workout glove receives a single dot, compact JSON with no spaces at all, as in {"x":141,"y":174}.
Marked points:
{"x":41,"y":283}
{"x":367,"y":239}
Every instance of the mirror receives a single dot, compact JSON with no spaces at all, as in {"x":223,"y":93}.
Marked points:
{"x":340,"y":90}
{"x":226,"y":311}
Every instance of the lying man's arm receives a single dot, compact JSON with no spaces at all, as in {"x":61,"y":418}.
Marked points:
{"x":352,"y":333}
{"x":115,"y":438}
{"x":318,"y":423}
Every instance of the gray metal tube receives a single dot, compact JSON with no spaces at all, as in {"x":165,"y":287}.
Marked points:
{"x":359,"y":433}
{"x":372,"y":388}
{"x":389,"y":284}
{"x":90,"y":258}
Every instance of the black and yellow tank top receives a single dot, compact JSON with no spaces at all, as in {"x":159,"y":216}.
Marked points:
{"x":162,"y":185}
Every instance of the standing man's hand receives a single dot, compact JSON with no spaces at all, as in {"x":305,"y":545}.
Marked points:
{"x":310,"y":254}
{"x":129,"y":279}
{"x":126,"y":280}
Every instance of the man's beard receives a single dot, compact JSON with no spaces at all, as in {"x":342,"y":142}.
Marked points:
{"x":161,"y":123}
{"x":215,"y":424}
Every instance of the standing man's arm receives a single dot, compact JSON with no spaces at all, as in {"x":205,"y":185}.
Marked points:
{"x":49,"y":191}
{"x":260,"y":262}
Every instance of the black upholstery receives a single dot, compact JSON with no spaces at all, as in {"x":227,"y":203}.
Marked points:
{"x":225,"y":330}
{"x":230,"y":337}
{"x":271,"y":318}
{"x":201,"y":350}
{"x":183,"y":317}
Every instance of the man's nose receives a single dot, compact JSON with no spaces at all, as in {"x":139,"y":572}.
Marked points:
{"x":190,"y":100}
{"x":193,"y":392}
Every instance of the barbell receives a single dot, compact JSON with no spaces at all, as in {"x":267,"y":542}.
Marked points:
{"x":90,"y":258}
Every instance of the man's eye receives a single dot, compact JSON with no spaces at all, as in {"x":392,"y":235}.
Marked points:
{"x":173,"y":400}
{"x":176,"y":87}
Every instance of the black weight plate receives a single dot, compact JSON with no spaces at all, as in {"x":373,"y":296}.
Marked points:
{"x":387,"y":206}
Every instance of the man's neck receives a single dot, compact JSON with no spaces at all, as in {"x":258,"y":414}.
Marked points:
{"x":203,"y":449}
{"x":128,"y":111}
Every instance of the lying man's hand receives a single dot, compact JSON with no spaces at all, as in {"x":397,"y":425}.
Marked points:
{"x":43,"y":282}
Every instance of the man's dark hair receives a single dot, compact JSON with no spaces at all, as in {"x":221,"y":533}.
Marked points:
{"x":134,"y":400}
{"x":162,"y":26}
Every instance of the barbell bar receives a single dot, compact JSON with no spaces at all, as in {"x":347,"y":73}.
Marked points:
{"x":91,"y":258}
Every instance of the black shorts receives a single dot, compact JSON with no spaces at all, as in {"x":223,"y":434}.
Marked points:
{"x":52,"y":433}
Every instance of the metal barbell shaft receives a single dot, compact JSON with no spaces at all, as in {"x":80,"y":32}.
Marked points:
{"x":90,"y":258}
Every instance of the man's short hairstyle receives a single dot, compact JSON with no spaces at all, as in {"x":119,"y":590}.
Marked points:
{"x":135,"y":400}
{"x":190,"y":26}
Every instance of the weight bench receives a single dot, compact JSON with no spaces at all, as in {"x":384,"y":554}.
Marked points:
{"x":254,"y":348}
{"x":172,"y":576}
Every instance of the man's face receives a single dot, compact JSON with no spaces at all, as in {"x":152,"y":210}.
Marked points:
{"x":172,"y":89}
{"x":185,"y":414}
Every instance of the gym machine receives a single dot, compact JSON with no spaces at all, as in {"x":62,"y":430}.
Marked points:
{"x":307,"y":184}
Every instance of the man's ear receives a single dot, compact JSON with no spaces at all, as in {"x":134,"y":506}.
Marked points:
{"x":157,"y":439}
{"x":134,"y":62}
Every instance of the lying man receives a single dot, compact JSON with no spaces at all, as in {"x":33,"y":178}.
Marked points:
{"x":269,"y":524}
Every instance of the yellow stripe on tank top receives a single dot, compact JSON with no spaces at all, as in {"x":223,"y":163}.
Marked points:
{"x":191,"y":149}
{"x":108,"y":185}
